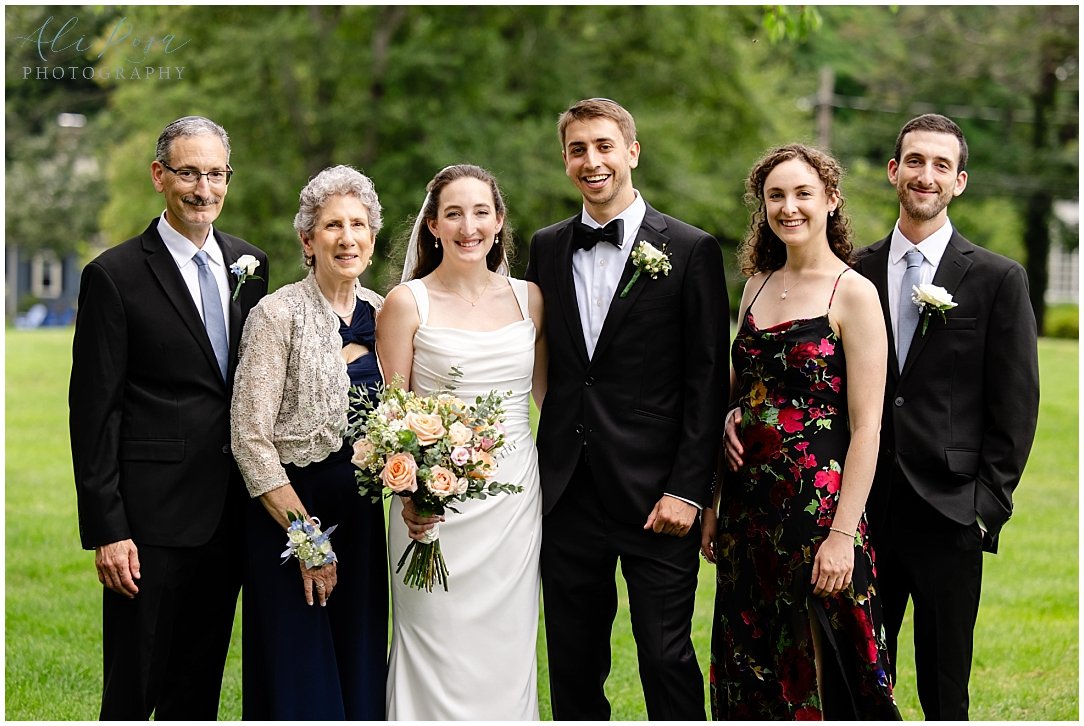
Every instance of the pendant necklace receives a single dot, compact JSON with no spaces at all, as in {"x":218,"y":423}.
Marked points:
{"x":783,"y":295}
{"x":454,"y":292}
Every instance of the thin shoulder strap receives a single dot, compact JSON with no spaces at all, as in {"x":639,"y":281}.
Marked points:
{"x":758,"y":291}
{"x":421,"y":299}
{"x":519,"y":289}
{"x":833,"y":297}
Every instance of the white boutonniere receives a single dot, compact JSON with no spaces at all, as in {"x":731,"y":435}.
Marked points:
{"x":649,"y":259}
{"x":931,"y":299}
{"x":245,"y":269}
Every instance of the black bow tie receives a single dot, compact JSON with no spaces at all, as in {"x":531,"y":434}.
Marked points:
{"x":586,"y":237}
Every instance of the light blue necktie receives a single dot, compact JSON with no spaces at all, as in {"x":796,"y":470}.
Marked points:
{"x":908,"y":311}
{"x":212,"y":311}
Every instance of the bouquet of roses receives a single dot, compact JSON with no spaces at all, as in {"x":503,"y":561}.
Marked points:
{"x":435,"y":449}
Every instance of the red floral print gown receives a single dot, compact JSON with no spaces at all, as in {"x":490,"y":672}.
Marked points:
{"x":774,"y":514}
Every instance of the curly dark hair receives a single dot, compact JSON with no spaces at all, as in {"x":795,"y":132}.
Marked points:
{"x":762,"y":250}
{"x":431,"y":254}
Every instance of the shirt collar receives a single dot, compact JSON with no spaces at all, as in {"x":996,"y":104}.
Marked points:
{"x":631,"y":218}
{"x":183,"y":249}
{"x":932,"y":248}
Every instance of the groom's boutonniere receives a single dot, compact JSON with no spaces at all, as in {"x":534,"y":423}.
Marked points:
{"x":649,"y":259}
{"x":931,"y":299}
{"x":245,"y":269}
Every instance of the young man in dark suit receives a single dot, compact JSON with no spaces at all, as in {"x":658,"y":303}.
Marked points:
{"x":159,"y":493}
{"x":630,"y":423}
{"x":960,"y":410}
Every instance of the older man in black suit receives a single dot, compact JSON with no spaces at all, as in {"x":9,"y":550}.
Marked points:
{"x":630,"y":423}
{"x":160,"y":496}
{"x":960,"y":411}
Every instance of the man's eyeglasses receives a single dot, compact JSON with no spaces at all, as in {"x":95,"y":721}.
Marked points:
{"x":217,"y":178}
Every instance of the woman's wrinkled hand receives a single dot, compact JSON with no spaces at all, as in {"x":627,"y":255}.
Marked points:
{"x":319,"y":582}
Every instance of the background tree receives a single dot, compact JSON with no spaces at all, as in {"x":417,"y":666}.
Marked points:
{"x":402,"y":91}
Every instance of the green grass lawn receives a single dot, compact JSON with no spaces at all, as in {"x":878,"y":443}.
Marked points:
{"x":1027,"y":650}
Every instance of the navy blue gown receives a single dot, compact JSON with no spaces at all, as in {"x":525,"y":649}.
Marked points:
{"x":320,"y":663}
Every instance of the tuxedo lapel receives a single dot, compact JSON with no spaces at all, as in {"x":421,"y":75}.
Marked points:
{"x":950,"y":271}
{"x":566,"y":289}
{"x":165,"y":270}
{"x":875,"y":269}
{"x":651,"y":231}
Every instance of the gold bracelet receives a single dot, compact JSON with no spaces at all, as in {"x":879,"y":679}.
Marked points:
{"x":852,"y":535}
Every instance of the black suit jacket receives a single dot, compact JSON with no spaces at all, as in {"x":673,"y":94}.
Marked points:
{"x":647,"y":409}
{"x":959,"y":419}
{"x":149,"y":411}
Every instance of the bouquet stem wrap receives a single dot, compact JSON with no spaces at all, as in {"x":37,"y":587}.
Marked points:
{"x":427,"y":567}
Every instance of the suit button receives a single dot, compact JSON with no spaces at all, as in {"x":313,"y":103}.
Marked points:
{"x":579,"y":429}
{"x":226,"y":449}
{"x":590,"y":381}
{"x":898,"y":401}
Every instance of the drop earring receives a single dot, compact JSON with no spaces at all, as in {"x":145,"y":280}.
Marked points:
{"x":436,"y":243}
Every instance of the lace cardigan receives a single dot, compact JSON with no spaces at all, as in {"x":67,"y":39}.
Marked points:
{"x":291,"y":388}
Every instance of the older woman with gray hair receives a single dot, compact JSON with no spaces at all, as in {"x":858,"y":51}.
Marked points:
{"x":307,"y":655}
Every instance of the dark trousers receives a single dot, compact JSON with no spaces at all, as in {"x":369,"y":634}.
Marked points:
{"x":164,"y":651}
{"x":581,"y":545}
{"x":937,"y":565}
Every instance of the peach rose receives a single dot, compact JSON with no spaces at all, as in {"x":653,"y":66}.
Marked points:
{"x":486,"y":464}
{"x":363,"y":451}
{"x":426,"y":426}
{"x":442,"y":482}
{"x":458,"y":434}
{"x":461,"y":485}
{"x":400,"y":473}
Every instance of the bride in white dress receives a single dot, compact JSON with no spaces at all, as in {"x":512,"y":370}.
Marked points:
{"x":468,"y":653}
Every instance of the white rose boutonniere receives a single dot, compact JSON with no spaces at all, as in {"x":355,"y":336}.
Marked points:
{"x":931,"y":299}
{"x":244,"y":269}
{"x":649,"y":259}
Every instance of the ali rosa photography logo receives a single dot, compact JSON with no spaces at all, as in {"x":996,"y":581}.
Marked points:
{"x":124,"y":52}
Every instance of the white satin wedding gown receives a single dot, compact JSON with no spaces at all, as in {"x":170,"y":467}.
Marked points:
{"x":469,"y":654}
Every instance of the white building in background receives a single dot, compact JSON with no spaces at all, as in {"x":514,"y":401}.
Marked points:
{"x":1063,"y":262}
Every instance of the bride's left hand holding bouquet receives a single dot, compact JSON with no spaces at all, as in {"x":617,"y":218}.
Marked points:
{"x":435,"y":450}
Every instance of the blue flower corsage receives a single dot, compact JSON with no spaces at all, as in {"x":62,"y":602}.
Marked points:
{"x":307,"y":543}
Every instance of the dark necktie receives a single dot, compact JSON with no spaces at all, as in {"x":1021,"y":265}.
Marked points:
{"x":908,"y":311}
{"x":212,"y":311}
{"x":584,"y":237}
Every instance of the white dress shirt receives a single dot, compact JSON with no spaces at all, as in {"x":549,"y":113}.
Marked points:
{"x":932,"y":249}
{"x":597,"y":271}
{"x":183,"y":251}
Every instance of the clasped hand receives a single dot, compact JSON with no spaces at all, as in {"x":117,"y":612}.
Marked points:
{"x":418,"y":525}
{"x":671,"y":516}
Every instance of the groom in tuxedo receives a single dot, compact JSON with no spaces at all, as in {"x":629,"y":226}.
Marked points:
{"x":160,"y":497}
{"x":959,"y":415}
{"x":630,"y":423}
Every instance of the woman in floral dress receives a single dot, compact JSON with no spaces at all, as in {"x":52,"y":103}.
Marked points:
{"x":798,"y":631}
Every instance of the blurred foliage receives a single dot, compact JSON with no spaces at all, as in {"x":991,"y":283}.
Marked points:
{"x":401,"y":91}
{"x":1062,"y":321}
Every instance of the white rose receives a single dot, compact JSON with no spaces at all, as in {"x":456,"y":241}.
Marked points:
{"x":458,"y":434}
{"x":650,"y":252}
{"x":248,"y":264}
{"x":934,"y":295}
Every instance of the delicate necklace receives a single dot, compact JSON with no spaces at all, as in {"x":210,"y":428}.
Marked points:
{"x":350,"y":312}
{"x":783,"y":295}
{"x":454,"y":292}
